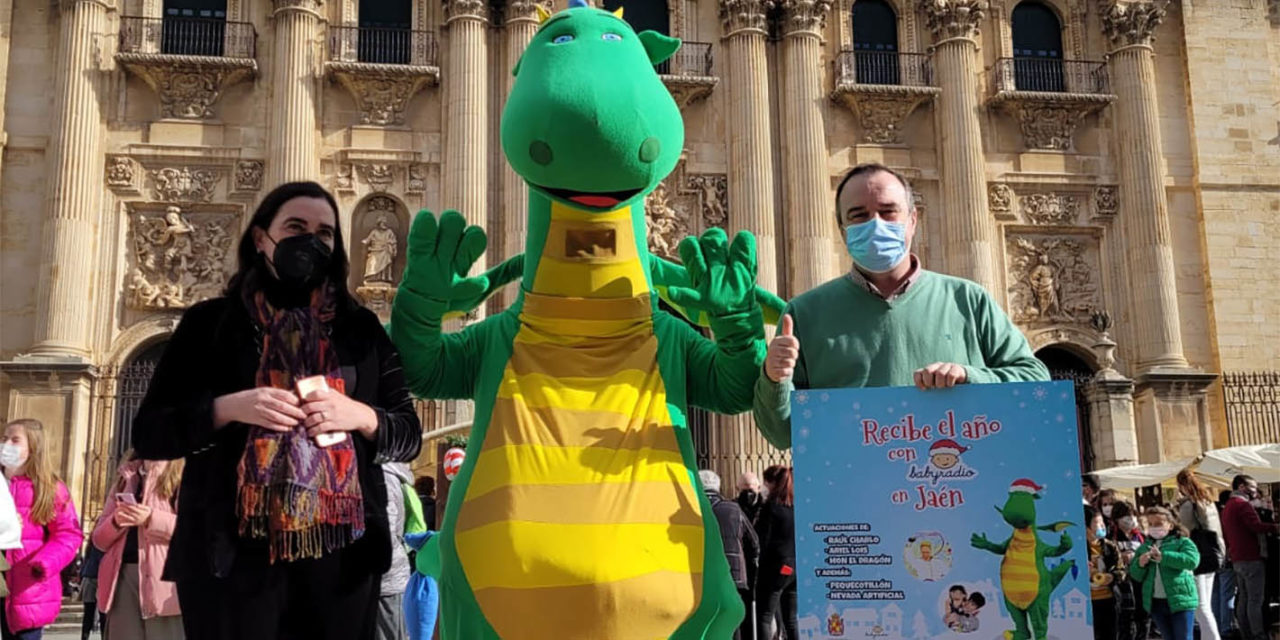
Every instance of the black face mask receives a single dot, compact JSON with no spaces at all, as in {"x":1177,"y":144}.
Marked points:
{"x":301,"y":261}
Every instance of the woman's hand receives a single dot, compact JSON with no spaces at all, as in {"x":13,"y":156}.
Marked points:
{"x":329,"y":410}
{"x":272,"y":409}
{"x":132,"y":515}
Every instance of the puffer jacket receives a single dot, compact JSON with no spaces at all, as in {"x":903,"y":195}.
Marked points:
{"x":157,"y":596}
{"x":34,"y":603}
{"x":396,"y":578}
{"x":1179,"y":558}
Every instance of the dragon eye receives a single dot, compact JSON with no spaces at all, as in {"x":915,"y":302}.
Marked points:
{"x":561,"y":39}
{"x":610,"y":36}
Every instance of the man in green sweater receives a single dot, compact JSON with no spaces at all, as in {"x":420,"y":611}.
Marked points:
{"x":887,"y":322}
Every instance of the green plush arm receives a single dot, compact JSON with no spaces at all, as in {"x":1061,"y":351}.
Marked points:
{"x":980,"y":541}
{"x":1183,"y":556}
{"x":1007,"y":355}
{"x":722,"y":374}
{"x":499,"y":276}
{"x":1064,"y":545}
{"x":666,"y":274}
{"x":771,"y":405}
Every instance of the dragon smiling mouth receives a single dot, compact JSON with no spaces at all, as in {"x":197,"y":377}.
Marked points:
{"x":593,"y":199}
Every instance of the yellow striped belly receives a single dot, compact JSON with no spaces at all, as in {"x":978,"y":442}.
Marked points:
{"x":1019,"y":578}
{"x":580,"y":499}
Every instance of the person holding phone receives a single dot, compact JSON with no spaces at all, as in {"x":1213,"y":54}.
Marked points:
{"x":1163,"y":565}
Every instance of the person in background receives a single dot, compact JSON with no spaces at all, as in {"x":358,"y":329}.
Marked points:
{"x":51,"y":534}
{"x":391,"y":623}
{"x":93,"y":619}
{"x":426,"y":488}
{"x":1088,"y":488}
{"x":749,"y":498}
{"x":741,"y":546}
{"x":776,"y":582}
{"x":1243,"y":530}
{"x":1132,"y":621}
{"x":1163,"y":565}
{"x":1105,"y":573}
{"x":1197,"y":514}
{"x":1224,"y":588}
{"x":137,"y":521}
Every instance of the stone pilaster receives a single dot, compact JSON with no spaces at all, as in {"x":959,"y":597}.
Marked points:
{"x":294,"y":153}
{"x":750,"y":196}
{"x":968,"y":230}
{"x":67,"y":298}
{"x":465,"y":180}
{"x":522,"y":24}
{"x":1130,"y":26}
{"x":810,"y":213}
{"x":1111,"y":422}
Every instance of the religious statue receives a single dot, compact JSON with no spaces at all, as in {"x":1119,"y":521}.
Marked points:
{"x":380,"y":253}
{"x":1044,"y":287}
{"x":175,"y":237}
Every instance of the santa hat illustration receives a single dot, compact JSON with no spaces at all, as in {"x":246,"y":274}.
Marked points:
{"x":1025,"y":485}
{"x":947,"y":446}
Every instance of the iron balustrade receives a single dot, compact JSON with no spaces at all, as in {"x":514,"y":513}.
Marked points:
{"x":1252,"y":400}
{"x":884,"y":67}
{"x":382,"y":45}
{"x":1052,"y":75}
{"x":178,"y":35}
{"x":691,"y":59}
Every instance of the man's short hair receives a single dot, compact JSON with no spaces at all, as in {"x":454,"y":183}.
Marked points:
{"x":1089,"y":481}
{"x":977,"y":599}
{"x":868,"y":168}
{"x":710,"y":480}
{"x":1240,"y":481}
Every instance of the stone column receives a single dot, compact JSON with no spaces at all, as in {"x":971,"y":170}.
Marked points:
{"x":1130,"y":26}
{"x":968,"y":231}
{"x":811,"y":227}
{"x":466,"y":121}
{"x":67,"y":298}
{"x":750,"y":197}
{"x":522,"y":23}
{"x":294,"y":154}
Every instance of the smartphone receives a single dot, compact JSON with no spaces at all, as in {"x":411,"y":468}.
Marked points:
{"x":126,"y":498}
{"x":308,"y":386}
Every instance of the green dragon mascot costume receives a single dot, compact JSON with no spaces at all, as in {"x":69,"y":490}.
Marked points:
{"x":577,"y":513}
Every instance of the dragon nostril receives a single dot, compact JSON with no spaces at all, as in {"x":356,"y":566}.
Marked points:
{"x":649,"y":149}
{"x":541,"y":152}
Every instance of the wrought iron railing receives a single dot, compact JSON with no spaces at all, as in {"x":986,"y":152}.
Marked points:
{"x":1053,"y":76}
{"x":382,"y":45}
{"x":1252,"y":400}
{"x":176,"y":35}
{"x":691,"y":59}
{"x":884,"y":67}
{"x":1084,"y":424}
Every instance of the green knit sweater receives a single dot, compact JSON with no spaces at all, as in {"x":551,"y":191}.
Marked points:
{"x":850,"y":337}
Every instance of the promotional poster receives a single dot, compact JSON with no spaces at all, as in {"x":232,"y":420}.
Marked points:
{"x":940,"y":514}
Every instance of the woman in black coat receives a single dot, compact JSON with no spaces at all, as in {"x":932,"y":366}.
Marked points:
{"x":282,"y":529}
{"x":776,"y":580}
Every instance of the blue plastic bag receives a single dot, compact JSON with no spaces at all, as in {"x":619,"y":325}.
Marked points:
{"x":421,"y":595}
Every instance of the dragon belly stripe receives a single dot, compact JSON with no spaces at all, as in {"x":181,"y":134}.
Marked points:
{"x":536,"y":464}
{"x":586,"y":504}
{"x":574,"y":428}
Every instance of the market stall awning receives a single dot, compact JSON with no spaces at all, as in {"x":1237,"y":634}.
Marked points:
{"x":1140,"y":475}
{"x":1262,"y":461}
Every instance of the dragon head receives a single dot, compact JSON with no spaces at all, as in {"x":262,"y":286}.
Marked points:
{"x":1020,"y":509}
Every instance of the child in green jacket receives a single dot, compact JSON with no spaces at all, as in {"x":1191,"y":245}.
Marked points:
{"x":1164,"y":565}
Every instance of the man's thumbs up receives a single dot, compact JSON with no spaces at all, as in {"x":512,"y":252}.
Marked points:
{"x":784,"y":351}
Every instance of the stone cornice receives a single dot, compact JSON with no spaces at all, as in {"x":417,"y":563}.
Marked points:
{"x":1046,"y":119}
{"x":187,"y":85}
{"x":524,"y":10}
{"x":949,"y":19}
{"x":804,"y":17}
{"x":465,"y":10}
{"x":745,"y":15}
{"x":1128,"y":23}
{"x":382,"y":91}
{"x":686,"y":90}
{"x":882,"y":109}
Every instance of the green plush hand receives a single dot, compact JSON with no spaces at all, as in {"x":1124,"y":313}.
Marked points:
{"x":440,"y":255}
{"x":722,"y":278}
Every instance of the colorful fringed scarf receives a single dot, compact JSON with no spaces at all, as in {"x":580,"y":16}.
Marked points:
{"x":302,"y":498}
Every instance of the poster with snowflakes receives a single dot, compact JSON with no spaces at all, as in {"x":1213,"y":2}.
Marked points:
{"x":948,"y":513}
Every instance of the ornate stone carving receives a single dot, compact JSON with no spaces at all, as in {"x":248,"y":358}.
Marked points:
{"x":378,"y":176}
{"x":517,"y":10}
{"x":173,"y":184}
{"x":187,"y":85}
{"x":953,"y":18}
{"x":1000,"y":201}
{"x":686,"y":90}
{"x":745,"y":15}
{"x":1050,"y":208}
{"x":1131,"y":22}
{"x":382,"y":91}
{"x":459,"y":9}
{"x":178,"y":259}
{"x":1049,"y":121}
{"x":417,"y":178}
{"x":714,"y":194}
{"x":685,"y":204}
{"x":381,"y":247}
{"x":309,"y":5}
{"x":1053,"y":279}
{"x":248,"y":175}
{"x":804,"y":17}
{"x":120,"y":173}
{"x":1106,"y":201}
{"x":667,"y":224}
{"x":881,"y":109}
{"x":343,"y":181}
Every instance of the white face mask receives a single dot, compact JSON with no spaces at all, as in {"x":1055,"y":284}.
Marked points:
{"x":1158,"y":532}
{"x":1127,"y":523}
{"x":11,"y":456}
{"x":1106,"y":510}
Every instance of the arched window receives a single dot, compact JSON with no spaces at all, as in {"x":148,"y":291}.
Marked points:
{"x":385,"y":31}
{"x":194,"y":27}
{"x":1037,"y":48}
{"x":875,"y":42}
{"x":1063,"y":364}
{"x":134,"y":379}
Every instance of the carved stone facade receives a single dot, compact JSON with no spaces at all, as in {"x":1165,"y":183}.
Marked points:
{"x":882,"y":109}
{"x":1000,"y":201}
{"x":1050,"y":208}
{"x":382,"y":92}
{"x":804,"y":16}
{"x":178,"y":257}
{"x":248,"y":175}
{"x":1053,"y":278}
{"x":184,"y":184}
{"x":1132,"y":22}
{"x":1050,"y":122}
{"x":953,"y":18}
{"x":745,"y":15}
{"x":682,"y":205}
{"x":188,"y":85}
{"x":1105,"y":201}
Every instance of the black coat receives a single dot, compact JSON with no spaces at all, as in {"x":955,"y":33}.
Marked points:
{"x":750,"y":501}
{"x":741,"y":547}
{"x":214,"y":352}
{"x":777,"y":530}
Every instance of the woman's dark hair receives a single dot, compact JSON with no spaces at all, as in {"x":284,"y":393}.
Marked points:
{"x":779,"y":478}
{"x":1090,"y":481}
{"x":1106,"y":493}
{"x":1122,"y":508}
{"x":249,"y":264}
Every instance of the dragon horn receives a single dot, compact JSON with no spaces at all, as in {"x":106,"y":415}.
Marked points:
{"x":543,"y":14}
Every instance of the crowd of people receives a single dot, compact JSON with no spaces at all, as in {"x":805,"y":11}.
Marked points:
{"x":1196,"y":564}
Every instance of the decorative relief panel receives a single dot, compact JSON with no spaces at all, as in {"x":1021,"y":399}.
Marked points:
{"x":378,"y":176}
{"x":184,"y":184}
{"x":248,"y":175}
{"x":122,"y":175}
{"x":697,"y":202}
{"x":1050,"y":208}
{"x":1000,"y":201}
{"x":1053,"y":278}
{"x":1106,"y":201}
{"x":178,"y":258}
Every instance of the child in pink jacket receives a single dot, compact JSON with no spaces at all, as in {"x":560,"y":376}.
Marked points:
{"x":50,"y":532}
{"x":135,"y":540}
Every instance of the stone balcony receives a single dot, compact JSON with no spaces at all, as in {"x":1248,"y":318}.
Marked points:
{"x":382,"y":68}
{"x":1049,"y":98}
{"x":882,"y":88}
{"x":189,"y":62}
{"x":687,"y":74}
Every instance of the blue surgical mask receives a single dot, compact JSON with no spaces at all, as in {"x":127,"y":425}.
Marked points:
{"x":1100,"y":532}
{"x":876,"y":245}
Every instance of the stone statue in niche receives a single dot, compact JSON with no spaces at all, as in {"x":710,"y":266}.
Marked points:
{"x":1053,"y":280}
{"x":667,"y":226}
{"x":179,"y":259}
{"x":380,"y":253}
{"x":1045,"y":288}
